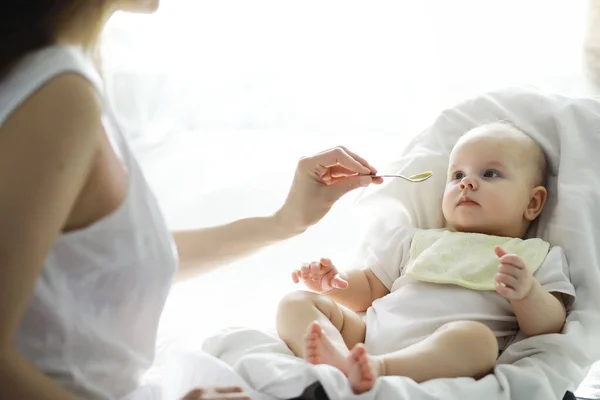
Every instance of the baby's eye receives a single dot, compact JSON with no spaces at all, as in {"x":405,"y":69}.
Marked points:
{"x":490,"y":173}
{"x":458,"y":175}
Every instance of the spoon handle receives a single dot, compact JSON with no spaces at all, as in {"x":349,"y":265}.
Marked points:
{"x":388,"y":176}
{"x":384,"y":176}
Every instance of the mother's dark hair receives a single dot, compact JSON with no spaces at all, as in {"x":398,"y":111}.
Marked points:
{"x":29,"y":25}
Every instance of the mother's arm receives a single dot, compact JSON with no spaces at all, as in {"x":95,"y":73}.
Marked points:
{"x":47,"y":148}
{"x":201,"y":249}
{"x":320,"y":180}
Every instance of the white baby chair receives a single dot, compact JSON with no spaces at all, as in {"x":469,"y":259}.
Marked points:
{"x":538,"y":368}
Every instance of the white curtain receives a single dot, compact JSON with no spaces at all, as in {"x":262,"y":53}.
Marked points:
{"x":220,"y":98}
{"x":205,"y":88}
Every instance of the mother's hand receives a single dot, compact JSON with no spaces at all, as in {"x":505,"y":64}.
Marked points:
{"x":320,"y":180}
{"x":217,"y":394}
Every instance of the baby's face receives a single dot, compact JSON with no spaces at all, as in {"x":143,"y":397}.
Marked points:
{"x":489,"y":186}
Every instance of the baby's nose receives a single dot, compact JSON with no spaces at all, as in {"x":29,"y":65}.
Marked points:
{"x":468,"y":183}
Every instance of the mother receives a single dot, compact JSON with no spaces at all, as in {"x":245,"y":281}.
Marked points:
{"x":86,"y":261}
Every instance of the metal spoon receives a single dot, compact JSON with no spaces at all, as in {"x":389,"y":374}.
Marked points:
{"x":423,"y":176}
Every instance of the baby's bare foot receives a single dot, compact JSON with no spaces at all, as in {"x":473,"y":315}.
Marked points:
{"x":362,"y":370}
{"x":318,"y":349}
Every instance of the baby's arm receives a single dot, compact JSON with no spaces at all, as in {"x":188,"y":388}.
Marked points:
{"x":363,"y":289}
{"x":540,"y":312}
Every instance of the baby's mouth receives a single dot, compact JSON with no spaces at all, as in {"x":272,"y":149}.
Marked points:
{"x":467,"y":201}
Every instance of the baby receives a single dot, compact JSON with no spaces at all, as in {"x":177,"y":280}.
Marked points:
{"x":442,"y":303}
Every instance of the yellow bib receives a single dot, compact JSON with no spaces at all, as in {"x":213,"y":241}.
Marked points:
{"x":467,"y":259}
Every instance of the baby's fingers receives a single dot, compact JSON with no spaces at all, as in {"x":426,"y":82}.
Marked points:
{"x":305,"y":272}
{"x":296,"y":276}
{"x":506,"y":280}
{"x":505,"y":291}
{"x":326,"y":262}
{"x":509,"y":269}
{"x":338,"y":282}
{"x":508,"y":258}
{"x":500,"y":252}
{"x":315,"y":270}
{"x":513,"y":259}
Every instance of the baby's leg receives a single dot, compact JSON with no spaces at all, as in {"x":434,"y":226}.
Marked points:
{"x":318,"y":329}
{"x":457,"y":349}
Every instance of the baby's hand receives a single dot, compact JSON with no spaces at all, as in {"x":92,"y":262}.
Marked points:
{"x":320,"y":276}
{"x":513,"y":280}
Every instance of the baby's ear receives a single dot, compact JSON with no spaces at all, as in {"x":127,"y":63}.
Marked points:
{"x":536,"y":202}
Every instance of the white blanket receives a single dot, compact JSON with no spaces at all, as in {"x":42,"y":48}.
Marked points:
{"x":538,"y":368}
{"x":273,"y":372}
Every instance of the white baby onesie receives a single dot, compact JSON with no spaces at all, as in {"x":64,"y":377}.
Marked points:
{"x":415,"y":308}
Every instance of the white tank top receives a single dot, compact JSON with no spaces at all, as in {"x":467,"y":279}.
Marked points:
{"x":92,"y":320}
